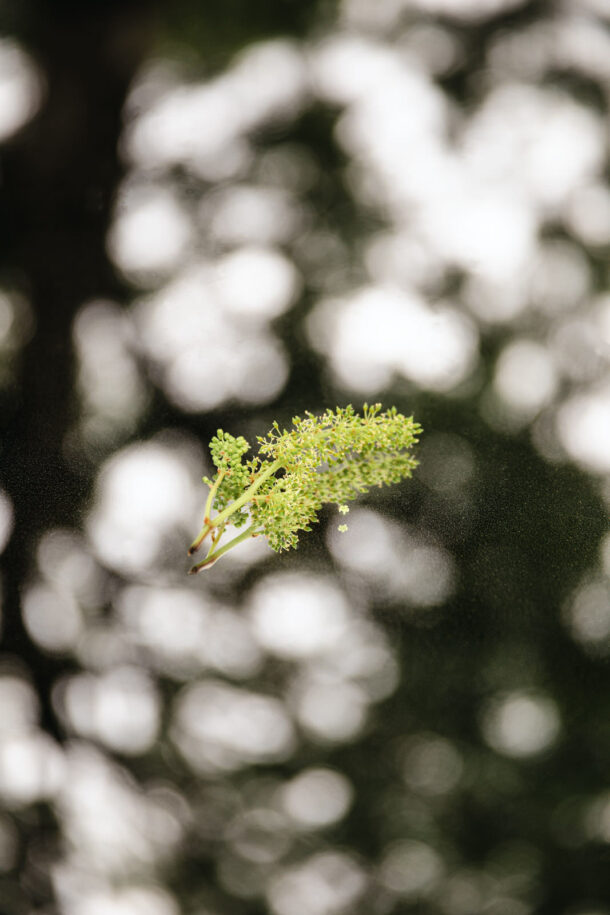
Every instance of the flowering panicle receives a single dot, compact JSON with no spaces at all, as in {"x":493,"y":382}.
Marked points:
{"x":322,"y":459}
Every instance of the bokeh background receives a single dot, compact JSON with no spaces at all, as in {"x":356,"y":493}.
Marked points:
{"x":225,"y":213}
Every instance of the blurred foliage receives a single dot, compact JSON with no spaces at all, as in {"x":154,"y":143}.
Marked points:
{"x":411,"y":719}
{"x":227,"y":27}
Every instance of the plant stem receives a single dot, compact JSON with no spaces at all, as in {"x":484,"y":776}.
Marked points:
{"x":245,"y":497}
{"x":211,"y":494}
{"x":213,"y":555}
{"x":206,"y":514}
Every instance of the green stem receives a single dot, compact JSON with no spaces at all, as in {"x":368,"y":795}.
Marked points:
{"x":206,"y":514}
{"x":217,"y":534}
{"x":245,"y":497}
{"x":212,"y":493}
{"x":214,"y":555}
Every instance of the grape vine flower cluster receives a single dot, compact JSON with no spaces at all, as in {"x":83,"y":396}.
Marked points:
{"x":323,"y":459}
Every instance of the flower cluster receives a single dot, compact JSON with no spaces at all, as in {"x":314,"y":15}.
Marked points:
{"x":233,"y":476}
{"x":322,"y":459}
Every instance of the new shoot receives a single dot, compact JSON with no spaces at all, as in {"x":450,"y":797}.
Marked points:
{"x":322,"y":459}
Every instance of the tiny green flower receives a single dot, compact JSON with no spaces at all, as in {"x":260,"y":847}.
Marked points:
{"x":342,"y":528}
{"x":322,"y":459}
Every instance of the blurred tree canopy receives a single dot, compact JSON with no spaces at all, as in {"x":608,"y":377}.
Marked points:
{"x":225,"y":214}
